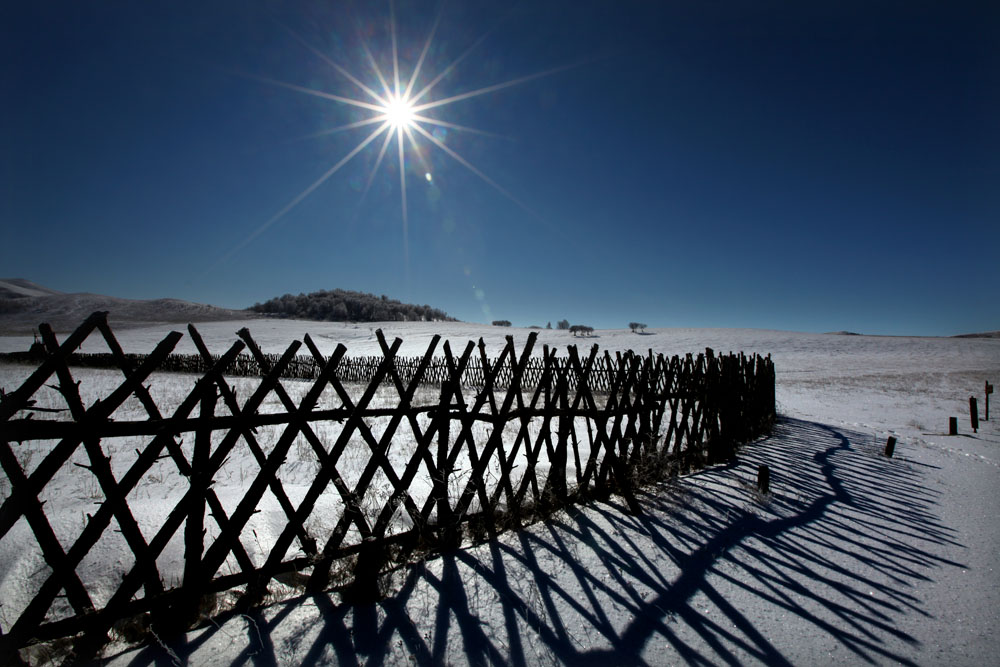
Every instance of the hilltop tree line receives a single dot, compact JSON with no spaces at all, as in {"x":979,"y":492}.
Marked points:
{"x":345,"y":305}
{"x":575,"y":329}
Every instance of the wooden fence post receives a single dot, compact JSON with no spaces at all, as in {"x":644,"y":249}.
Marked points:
{"x":890,"y":446}
{"x":555,"y":485}
{"x":764,"y":480}
{"x":952,"y":425}
{"x":194,"y":528}
{"x":447,"y":531}
{"x":974,"y":414}
{"x":713,"y":407}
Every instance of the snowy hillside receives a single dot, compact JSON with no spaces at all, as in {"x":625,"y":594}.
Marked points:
{"x":25,"y":305}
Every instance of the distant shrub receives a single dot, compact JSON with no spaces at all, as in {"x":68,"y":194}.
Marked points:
{"x":501,"y":323}
{"x":634,"y":326}
{"x":581,"y":329}
{"x":562,"y":324}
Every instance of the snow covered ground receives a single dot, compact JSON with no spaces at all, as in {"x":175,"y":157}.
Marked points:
{"x":853,"y":557}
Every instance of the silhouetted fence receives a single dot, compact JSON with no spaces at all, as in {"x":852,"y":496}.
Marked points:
{"x":501,"y":440}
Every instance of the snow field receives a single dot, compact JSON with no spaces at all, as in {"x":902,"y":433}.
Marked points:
{"x":852,"y":559}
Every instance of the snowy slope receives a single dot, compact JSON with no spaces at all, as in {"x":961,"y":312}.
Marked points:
{"x":26,"y":304}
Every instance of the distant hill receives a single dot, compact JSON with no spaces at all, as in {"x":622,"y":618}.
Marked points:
{"x":24,"y":305}
{"x":17,"y":288}
{"x":344,"y":305}
{"x":985,"y":334}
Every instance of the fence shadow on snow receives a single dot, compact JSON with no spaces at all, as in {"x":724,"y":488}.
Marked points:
{"x":708,"y":574}
{"x":405,"y":456}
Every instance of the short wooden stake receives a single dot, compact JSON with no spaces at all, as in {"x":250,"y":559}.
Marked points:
{"x":974,"y":414}
{"x":890,"y":446}
{"x":764,"y":479}
{"x":952,"y":425}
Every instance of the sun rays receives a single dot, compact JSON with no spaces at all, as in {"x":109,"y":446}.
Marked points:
{"x":403,"y":115}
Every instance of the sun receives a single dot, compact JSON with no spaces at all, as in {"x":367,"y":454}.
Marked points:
{"x":399,"y":113}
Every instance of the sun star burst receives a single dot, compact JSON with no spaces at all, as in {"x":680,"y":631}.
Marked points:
{"x":398,"y":116}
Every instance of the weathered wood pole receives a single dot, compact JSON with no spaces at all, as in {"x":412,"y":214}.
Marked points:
{"x":989,"y":390}
{"x":890,"y":446}
{"x":194,"y":529}
{"x":952,"y":425}
{"x":974,"y":414}
{"x":556,"y":482}
{"x":764,"y":479}
{"x":447,"y":530}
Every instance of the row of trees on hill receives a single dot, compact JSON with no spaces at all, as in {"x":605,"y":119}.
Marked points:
{"x":345,"y":305}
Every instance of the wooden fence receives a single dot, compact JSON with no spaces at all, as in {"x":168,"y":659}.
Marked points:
{"x":529,"y":432}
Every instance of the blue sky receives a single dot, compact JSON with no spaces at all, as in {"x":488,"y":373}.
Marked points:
{"x":805,"y":166}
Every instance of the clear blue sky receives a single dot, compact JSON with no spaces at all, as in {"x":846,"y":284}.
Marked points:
{"x":790,"y":165}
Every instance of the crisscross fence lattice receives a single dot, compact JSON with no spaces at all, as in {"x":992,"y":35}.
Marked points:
{"x":360,"y":463}
{"x":356,"y":369}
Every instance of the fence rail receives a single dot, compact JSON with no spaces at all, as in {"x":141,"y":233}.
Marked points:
{"x":499,"y":440}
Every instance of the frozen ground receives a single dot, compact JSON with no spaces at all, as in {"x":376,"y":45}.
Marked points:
{"x":854,"y":558}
